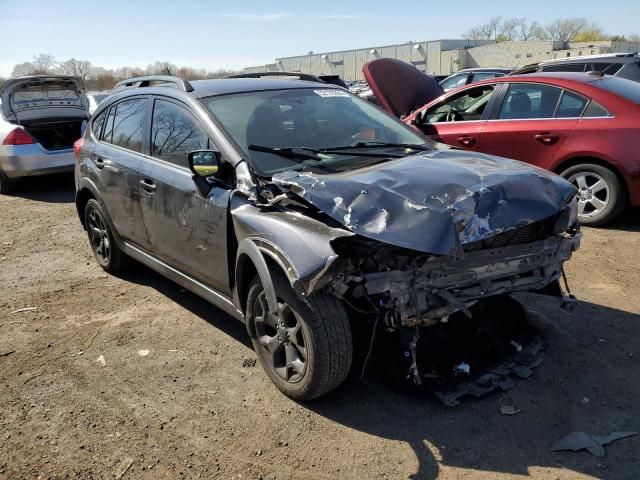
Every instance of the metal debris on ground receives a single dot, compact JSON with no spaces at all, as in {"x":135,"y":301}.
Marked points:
{"x":498,"y":378}
{"x":593,"y":444}
{"x":6,"y":354}
{"x":143,"y":353}
{"x":123,"y":468}
{"x":25,"y":309}
{"x":101,"y":360}
{"x":248,"y":362}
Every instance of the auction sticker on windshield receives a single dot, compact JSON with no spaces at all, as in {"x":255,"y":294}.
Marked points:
{"x":331,"y":92}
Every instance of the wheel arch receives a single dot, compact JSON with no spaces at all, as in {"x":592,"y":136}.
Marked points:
{"x":570,"y":162}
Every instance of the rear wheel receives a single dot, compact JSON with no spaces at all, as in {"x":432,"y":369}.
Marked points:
{"x":305,"y":348}
{"x":600,"y":195}
{"x":6,"y":185}
{"x":103,"y":245}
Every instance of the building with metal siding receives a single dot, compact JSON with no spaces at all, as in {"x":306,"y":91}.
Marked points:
{"x":442,"y":56}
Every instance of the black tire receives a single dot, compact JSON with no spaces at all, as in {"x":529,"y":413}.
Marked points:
{"x":104,"y":247}
{"x":613,"y":195}
{"x":6,"y":185}
{"x":325,"y":332}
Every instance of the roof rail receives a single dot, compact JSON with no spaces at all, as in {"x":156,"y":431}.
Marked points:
{"x":301,"y":76}
{"x":155,"y":80}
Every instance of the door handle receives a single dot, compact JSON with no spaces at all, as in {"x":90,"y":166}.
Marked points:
{"x":99,"y":162}
{"x":466,"y":141}
{"x":546,"y":138}
{"x":148,"y":186}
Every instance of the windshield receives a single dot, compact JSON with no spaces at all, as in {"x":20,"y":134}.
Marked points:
{"x":620,"y":86}
{"x":314,"y":118}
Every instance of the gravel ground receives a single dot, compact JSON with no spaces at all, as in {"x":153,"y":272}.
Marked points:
{"x":133,"y":377}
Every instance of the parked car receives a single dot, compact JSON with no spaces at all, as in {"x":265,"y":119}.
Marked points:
{"x":41,"y":118}
{"x":297,"y":208}
{"x":471,"y":75}
{"x":95,"y":99}
{"x":584,"y":127}
{"x":623,"y":65}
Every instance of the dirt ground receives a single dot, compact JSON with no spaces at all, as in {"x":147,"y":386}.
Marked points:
{"x":174,"y":397}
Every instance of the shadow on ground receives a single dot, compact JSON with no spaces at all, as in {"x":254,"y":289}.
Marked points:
{"x":48,"y":188}
{"x":475,"y":435}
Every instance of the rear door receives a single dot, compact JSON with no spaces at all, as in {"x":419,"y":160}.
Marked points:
{"x":531,"y":122}
{"x":185,"y":229}
{"x":114,"y":161}
{"x":459,"y":119}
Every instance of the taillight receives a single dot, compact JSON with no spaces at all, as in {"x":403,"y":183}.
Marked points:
{"x":18,"y":136}
{"x":77,"y":146}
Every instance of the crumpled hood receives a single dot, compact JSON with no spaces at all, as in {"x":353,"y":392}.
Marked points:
{"x":434,"y":202}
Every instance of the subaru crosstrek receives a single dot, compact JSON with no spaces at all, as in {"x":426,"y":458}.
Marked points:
{"x":301,"y":209}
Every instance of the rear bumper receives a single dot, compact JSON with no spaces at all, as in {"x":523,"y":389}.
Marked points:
{"x":29,"y":160}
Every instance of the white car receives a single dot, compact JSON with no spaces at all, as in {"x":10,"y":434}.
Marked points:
{"x":41,"y":118}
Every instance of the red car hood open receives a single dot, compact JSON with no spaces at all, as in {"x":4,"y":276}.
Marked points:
{"x":399,"y":86}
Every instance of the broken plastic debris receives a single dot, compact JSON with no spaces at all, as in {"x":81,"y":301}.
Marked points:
{"x":506,"y":409}
{"x":593,"y":444}
{"x":101,"y":360}
{"x":143,"y":353}
{"x":462,"y":368}
{"x":25,"y":309}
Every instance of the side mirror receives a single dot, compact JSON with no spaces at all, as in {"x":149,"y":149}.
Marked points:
{"x":204,"y":163}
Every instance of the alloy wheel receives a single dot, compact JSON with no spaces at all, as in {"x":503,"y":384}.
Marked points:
{"x":281,"y":338}
{"x":98,"y":235}
{"x":593,"y":193}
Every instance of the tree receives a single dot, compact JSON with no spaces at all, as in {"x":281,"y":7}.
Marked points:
{"x":161,"y":68}
{"x":43,"y":63}
{"x":488,"y":31}
{"x":565,"y":30}
{"x":76,"y":68}
{"x":23,"y":69}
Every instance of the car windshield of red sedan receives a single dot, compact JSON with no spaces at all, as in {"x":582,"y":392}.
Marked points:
{"x":620,"y":86}
{"x":306,"y":119}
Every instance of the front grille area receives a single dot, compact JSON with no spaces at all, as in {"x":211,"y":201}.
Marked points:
{"x":517,"y":236}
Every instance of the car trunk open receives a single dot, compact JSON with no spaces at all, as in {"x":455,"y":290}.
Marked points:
{"x":55,"y":134}
{"x":51,"y":109}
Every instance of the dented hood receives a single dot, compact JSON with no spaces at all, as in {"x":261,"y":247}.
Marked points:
{"x":399,"y":86}
{"x":434,"y":202}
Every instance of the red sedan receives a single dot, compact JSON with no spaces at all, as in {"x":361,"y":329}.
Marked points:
{"x":583,"y":126}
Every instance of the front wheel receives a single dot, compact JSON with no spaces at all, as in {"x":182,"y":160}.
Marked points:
{"x":103,"y":245}
{"x":600,"y":196}
{"x":305,"y":347}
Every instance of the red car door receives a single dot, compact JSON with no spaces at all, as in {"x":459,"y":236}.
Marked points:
{"x":459,"y":119}
{"x":531,"y":123}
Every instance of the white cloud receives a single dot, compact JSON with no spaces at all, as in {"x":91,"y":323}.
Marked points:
{"x":260,"y":17}
{"x":339,"y":16}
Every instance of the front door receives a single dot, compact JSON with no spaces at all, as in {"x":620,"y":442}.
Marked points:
{"x":459,"y":119}
{"x":185,"y":229}
{"x":532,"y":123}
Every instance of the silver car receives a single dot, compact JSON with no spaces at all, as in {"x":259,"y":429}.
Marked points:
{"x":41,"y":118}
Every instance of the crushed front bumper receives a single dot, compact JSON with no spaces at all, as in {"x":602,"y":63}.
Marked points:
{"x":443,"y":285}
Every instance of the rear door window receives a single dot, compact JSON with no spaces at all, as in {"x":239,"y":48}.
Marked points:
{"x":128,"y":124}
{"x":566,"y":67}
{"x":529,"y":101}
{"x":571,"y":105}
{"x":175,"y":132}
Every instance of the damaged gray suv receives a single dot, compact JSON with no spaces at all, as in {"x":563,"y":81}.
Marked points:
{"x":302,"y":210}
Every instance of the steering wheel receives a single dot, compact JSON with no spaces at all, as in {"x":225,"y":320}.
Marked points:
{"x":454,"y":116}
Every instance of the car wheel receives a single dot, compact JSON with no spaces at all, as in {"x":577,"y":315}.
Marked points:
{"x":306,"y":348}
{"x":104,"y":247}
{"x":6,"y":185}
{"x":600,"y":195}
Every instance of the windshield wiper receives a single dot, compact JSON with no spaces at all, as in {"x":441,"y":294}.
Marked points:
{"x":290,"y":152}
{"x":361,"y":145}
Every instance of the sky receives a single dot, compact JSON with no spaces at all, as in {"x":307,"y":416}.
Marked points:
{"x":235,"y":34}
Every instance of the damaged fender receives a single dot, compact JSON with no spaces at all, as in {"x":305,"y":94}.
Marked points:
{"x":299,"y":244}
